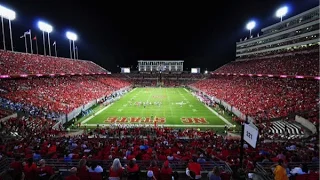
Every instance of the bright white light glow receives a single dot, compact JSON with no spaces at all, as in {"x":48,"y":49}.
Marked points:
{"x":251,"y":25}
{"x":71,"y":36}
{"x":45,"y":27}
{"x":282,"y":11}
{"x":7,"y":13}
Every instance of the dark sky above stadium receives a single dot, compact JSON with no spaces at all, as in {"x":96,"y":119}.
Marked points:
{"x":202,"y":34}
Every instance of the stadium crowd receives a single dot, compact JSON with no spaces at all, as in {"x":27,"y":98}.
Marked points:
{"x":5,"y":113}
{"x":264,"y":98}
{"x":152,"y":145}
{"x":12,"y":63}
{"x":306,"y":63}
{"x":51,"y":97}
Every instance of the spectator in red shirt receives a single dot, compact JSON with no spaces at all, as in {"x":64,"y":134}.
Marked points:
{"x":83,"y":172}
{"x":155,"y":170}
{"x":16,"y":168}
{"x":30,"y":170}
{"x":44,"y":172}
{"x":133,"y":170}
{"x":73,"y":175}
{"x":166,"y":171}
{"x":16,"y":165}
{"x":116,"y":170}
{"x":194,"y":169}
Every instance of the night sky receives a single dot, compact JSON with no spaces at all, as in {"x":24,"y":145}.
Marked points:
{"x":204,"y":35}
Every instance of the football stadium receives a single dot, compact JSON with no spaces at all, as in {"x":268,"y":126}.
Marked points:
{"x":256,"y":117}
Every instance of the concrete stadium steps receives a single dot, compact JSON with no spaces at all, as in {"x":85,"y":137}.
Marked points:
{"x":279,"y":128}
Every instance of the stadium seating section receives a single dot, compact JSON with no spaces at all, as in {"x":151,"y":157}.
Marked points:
{"x":299,"y":63}
{"x":60,"y":95}
{"x":5,"y":113}
{"x":264,"y":98}
{"x":21,"y":63}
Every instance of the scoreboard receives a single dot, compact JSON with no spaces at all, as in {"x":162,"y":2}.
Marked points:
{"x":125,"y":70}
{"x":195,"y":70}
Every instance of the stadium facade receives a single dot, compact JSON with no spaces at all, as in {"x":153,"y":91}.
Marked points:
{"x":160,"y":65}
{"x":289,"y":34}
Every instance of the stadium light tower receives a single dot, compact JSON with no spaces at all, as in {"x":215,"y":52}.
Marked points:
{"x":282,"y":12}
{"x":250,"y":26}
{"x":10,"y":15}
{"x":44,"y":27}
{"x":72,"y":37}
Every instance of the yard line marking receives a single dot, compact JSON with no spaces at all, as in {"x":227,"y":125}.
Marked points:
{"x":170,"y":101}
{"x":92,"y":116}
{"x":147,"y":101}
{"x":222,"y":118}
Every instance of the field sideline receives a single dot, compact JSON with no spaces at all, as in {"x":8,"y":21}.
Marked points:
{"x":170,"y":107}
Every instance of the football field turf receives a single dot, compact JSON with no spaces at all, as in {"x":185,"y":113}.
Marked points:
{"x":173,"y":107}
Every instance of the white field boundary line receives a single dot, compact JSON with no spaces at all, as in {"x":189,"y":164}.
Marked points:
{"x":214,"y":112}
{"x":185,"y":89}
{"x":222,"y":118}
{"x":92,"y":116}
{"x":164,"y":125}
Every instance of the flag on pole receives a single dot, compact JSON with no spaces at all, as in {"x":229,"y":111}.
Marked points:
{"x":27,"y":32}
{"x":54,"y":43}
{"x":35,"y":39}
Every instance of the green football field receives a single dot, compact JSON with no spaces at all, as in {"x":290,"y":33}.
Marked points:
{"x":172,"y":107}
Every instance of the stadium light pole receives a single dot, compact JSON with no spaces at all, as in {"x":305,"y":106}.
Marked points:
{"x":45,"y":27}
{"x":77,"y":55}
{"x":10,"y":15}
{"x":250,"y":26}
{"x":282,"y":12}
{"x":72,"y":37}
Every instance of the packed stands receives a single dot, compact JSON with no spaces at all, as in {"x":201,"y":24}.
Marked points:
{"x":5,"y":113}
{"x":177,"y":147}
{"x":22,"y":63}
{"x":264,"y":98}
{"x":52,"y":97}
{"x":302,"y":63}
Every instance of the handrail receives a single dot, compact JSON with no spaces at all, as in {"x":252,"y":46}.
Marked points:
{"x":261,"y":170}
{"x":179,"y":166}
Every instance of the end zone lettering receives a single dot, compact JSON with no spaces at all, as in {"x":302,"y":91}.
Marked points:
{"x":194,"y":121}
{"x":145,"y":120}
